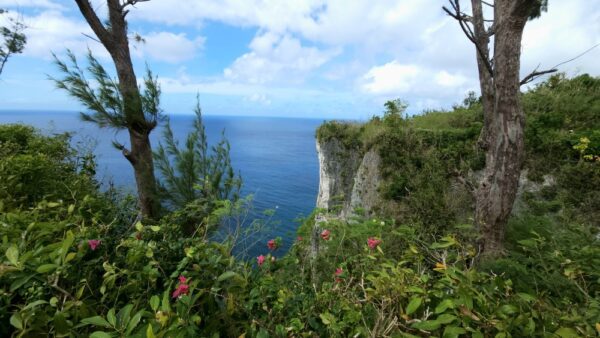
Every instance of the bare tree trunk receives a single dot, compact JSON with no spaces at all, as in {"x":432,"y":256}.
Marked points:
{"x":504,"y":156}
{"x":116,"y":42}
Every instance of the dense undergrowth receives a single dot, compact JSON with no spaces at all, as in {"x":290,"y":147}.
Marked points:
{"x":76,"y":262}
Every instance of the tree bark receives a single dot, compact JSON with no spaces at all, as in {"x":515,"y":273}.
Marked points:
{"x":486,"y":82}
{"x":504,"y":156}
{"x":116,"y":42}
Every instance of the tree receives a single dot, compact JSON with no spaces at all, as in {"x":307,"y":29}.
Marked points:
{"x":13,"y":39}
{"x":502,"y":134}
{"x":119,"y":104}
{"x":195,"y":173}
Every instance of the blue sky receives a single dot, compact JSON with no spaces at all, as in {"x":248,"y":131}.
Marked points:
{"x":304,"y":58}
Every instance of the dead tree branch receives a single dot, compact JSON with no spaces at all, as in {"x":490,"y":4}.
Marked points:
{"x":463,"y":21}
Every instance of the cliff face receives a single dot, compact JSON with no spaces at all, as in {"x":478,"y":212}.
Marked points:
{"x":348,"y":179}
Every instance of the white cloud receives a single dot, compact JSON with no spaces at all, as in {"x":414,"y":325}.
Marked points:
{"x":169,"y":47}
{"x":273,"y":58}
{"x":52,"y":31}
{"x":390,"y":78}
{"x":45,"y":4}
{"x":443,"y":78}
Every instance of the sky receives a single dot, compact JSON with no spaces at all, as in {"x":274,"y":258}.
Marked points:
{"x":290,"y":58}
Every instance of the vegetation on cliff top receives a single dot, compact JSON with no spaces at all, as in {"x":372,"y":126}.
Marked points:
{"x":76,"y":263}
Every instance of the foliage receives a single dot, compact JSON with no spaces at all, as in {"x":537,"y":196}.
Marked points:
{"x":13,"y":39}
{"x":195,"y":172}
{"x":73,"y":262}
{"x":195,"y":177}
{"x":103,"y":97}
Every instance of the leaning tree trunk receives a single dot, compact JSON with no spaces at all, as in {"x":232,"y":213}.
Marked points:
{"x":116,"y":42}
{"x":504,"y":155}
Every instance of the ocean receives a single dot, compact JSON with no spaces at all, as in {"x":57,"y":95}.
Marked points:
{"x":276,"y":157}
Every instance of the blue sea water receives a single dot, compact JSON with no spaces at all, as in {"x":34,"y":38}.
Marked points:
{"x":276,"y":157}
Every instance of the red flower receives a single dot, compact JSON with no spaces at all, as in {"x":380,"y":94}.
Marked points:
{"x":272,"y":244}
{"x":182,"y":289}
{"x":260,"y":260}
{"x":325,"y":234}
{"x":338,"y":273}
{"x":373,"y":242}
{"x":93,"y":243}
{"x":299,"y":238}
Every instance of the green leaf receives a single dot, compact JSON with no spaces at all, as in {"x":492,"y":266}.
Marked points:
{"x":262,"y":334}
{"x":16,"y":321}
{"x":327,"y":318}
{"x":565,"y":332}
{"x":124,"y":314}
{"x":112,"y":319}
{"x":96,"y":321}
{"x":150,"y":332}
{"x":528,"y":243}
{"x":526,"y":297}
{"x":413,"y":305}
{"x":428,"y":325}
{"x":67,"y":244}
{"x":444,"y":305}
{"x":135,"y":320}
{"x":154,"y":303}
{"x":20,"y":282}
{"x":226,"y":275}
{"x":46,"y":268}
{"x":445,"y":318}
{"x":165,"y":304}
{"x":34,"y":304}
{"x":448,"y":241}
{"x":100,"y":334}
{"x":12,"y":253}
{"x":508,"y":309}
{"x":155,"y":228}
{"x":453,"y":332}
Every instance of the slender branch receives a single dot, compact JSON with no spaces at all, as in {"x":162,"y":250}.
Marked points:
{"x":535,"y":73}
{"x":90,"y":16}
{"x":487,"y":3}
{"x":91,"y":37}
{"x":457,"y":15}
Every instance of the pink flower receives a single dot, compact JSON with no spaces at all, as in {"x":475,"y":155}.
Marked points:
{"x":373,"y":242}
{"x":260,"y":260}
{"x":272,"y":244}
{"x":182,"y":289}
{"x":325,"y":234}
{"x":93,"y":243}
{"x":299,"y":238}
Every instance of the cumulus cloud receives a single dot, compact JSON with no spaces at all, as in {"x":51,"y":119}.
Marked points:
{"x":169,"y":47}
{"x":391,"y":78}
{"x":53,"y":31}
{"x":373,"y":49}
{"x":274,"y":57}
